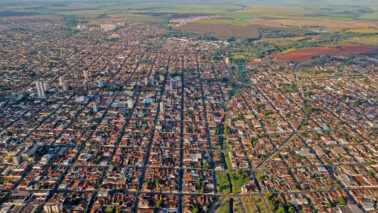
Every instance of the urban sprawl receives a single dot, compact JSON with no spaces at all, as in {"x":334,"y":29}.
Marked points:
{"x":120,"y":118}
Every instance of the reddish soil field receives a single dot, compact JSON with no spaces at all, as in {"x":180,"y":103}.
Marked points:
{"x":336,"y":49}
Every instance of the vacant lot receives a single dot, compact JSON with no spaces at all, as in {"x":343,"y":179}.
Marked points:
{"x":329,"y":23}
{"x":337,"y":49}
{"x":253,"y":204}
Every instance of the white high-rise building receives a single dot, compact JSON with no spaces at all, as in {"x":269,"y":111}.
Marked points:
{"x":61,"y":81}
{"x":96,"y":107}
{"x":100,"y":84}
{"x":227,"y":60}
{"x":40,"y":90}
{"x":65,"y":86}
{"x":161,"y":107}
{"x":86,"y":74}
{"x":130,"y":103}
{"x":46,"y":86}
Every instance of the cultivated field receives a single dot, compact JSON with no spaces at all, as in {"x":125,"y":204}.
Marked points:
{"x":328,"y":23}
{"x":222,"y":31}
{"x":336,"y":49}
{"x":364,"y":40}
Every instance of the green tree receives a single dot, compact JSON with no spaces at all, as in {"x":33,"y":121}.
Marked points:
{"x":260,"y":176}
{"x":109,"y":209}
{"x":341,"y":200}
{"x":281,"y":209}
{"x":159,"y":204}
{"x":291,"y":209}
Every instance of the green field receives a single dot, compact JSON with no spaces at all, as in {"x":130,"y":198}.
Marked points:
{"x":370,"y":16}
{"x":241,"y":16}
{"x":364,"y":40}
{"x":238,"y":179}
{"x":364,"y":31}
{"x":228,"y":160}
{"x":185,"y":7}
{"x":225,"y":206}
{"x":226,"y":21}
{"x":253,"y":204}
{"x":222,"y":182}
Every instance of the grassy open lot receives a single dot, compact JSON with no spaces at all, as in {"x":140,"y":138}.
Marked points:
{"x":253,"y":204}
{"x":237,"y":208}
{"x":223,"y":183}
{"x":238,"y":179}
{"x":225,"y":206}
{"x":228,"y":160}
{"x":308,"y":69}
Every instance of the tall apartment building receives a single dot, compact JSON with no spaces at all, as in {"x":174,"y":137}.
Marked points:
{"x":40,"y":89}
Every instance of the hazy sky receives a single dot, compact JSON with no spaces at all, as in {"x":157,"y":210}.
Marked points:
{"x":4,"y":3}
